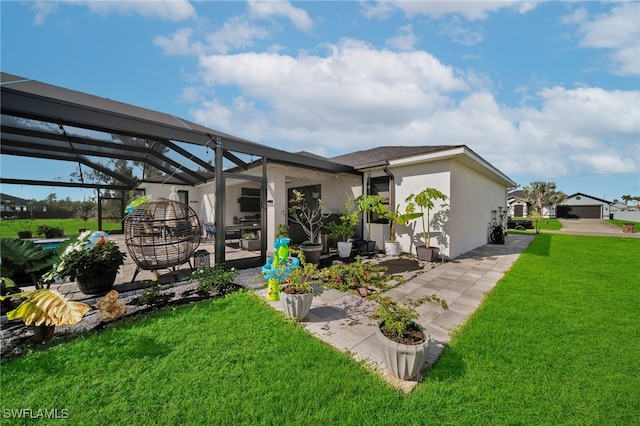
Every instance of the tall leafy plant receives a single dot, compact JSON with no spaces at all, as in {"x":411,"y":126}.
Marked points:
{"x":396,"y":217}
{"x":425,"y":200}
{"x":367,"y":204}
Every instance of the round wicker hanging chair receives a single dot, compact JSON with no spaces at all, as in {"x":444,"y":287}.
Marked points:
{"x":161,"y":234}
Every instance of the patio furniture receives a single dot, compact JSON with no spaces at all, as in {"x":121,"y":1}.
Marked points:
{"x":161,"y":234}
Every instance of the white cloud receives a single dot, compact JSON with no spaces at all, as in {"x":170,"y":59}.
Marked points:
{"x":171,"y":10}
{"x":357,"y":97}
{"x":404,"y":40}
{"x":179,"y":43}
{"x":459,"y":33}
{"x":267,"y":9}
{"x":471,"y":10}
{"x":617,"y":31}
{"x":42,"y":10}
{"x":236,"y":33}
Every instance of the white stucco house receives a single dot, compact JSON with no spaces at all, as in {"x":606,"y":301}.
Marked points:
{"x":583,"y":206}
{"x":474,"y":188}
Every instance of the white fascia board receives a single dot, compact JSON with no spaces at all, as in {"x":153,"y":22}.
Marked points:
{"x":465,"y":156}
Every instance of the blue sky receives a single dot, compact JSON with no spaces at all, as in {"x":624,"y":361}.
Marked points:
{"x":543,"y":90}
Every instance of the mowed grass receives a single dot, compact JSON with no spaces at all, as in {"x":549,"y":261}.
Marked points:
{"x":9,"y":227}
{"x":556,"y":342}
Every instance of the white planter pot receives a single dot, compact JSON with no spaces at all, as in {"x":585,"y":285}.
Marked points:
{"x":344,"y":248}
{"x":392,"y":248}
{"x":404,"y":361}
{"x":296,"y":305}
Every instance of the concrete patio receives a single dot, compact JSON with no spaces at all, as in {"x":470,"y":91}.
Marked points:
{"x":342,"y":319}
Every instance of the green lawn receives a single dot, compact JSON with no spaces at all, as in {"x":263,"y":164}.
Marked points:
{"x":556,"y":342}
{"x":9,"y":228}
{"x":619,"y":223}
{"x":551,"y":224}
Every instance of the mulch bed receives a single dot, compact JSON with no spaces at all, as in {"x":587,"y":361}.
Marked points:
{"x":401,"y":265}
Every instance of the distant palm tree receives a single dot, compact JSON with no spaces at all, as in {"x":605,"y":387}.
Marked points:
{"x":542,"y":194}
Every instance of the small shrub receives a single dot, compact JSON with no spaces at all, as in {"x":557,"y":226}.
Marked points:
{"x":50,"y":231}
{"x":213,"y":279}
{"x":152,"y":294}
{"x":351,"y":276}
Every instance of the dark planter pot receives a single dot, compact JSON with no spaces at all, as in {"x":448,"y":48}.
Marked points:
{"x":366,"y":247}
{"x":42,"y":333}
{"x":24,"y":234}
{"x":404,"y":361}
{"x":429,"y":254}
{"x":312,"y":253}
{"x":98,"y":285}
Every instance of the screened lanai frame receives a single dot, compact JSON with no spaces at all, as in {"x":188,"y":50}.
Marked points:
{"x":70,"y":123}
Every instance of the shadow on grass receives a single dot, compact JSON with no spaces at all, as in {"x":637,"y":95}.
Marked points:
{"x":450,"y":366}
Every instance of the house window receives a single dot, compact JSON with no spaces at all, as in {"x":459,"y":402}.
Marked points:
{"x":183,"y":197}
{"x":380,"y":186}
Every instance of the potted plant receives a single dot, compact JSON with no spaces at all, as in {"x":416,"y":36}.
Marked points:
{"x":25,"y":227}
{"x":296,"y":293}
{"x":403,"y":342}
{"x":310,"y":218}
{"x":368,"y":204}
{"x":25,"y":256}
{"x":344,"y":230}
{"x":425,"y":201}
{"x":94,"y":267}
{"x":395,"y":217}
{"x":47,"y":231}
{"x":43,"y":309}
{"x":249,"y":241}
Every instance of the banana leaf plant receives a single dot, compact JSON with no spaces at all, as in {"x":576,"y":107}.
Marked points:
{"x":47,"y":307}
{"x":29,"y":255}
{"x":425,"y":200}
{"x":396,"y":217}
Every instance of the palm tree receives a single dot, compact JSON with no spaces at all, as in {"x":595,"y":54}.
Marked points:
{"x":542,"y":194}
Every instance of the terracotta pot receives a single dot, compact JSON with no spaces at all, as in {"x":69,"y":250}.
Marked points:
{"x":296,"y":305}
{"x":97,"y":285}
{"x":404,"y":361}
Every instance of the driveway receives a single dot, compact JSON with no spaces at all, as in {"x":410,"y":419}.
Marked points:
{"x":593,"y":227}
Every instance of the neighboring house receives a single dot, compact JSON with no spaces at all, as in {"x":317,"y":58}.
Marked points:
{"x":519,"y":208}
{"x":516,"y":207}
{"x":623,"y":211}
{"x":475,"y":188}
{"x":583,"y":206}
{"x":10,"y":205}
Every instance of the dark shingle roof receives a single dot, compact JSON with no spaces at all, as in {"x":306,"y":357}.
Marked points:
{"x":381,"y":155}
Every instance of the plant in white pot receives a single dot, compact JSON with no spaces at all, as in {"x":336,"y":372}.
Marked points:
{"x":403,"y":342}
{"x":396,"y":217}
{"x":296,"y":293}
{"x":310,"y":218}
{"x":344,"y":230}
{"x":368,"y":204}
{"x":425,"y":200}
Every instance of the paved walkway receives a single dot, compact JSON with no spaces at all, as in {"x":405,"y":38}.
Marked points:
{"x":342,"y":319}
